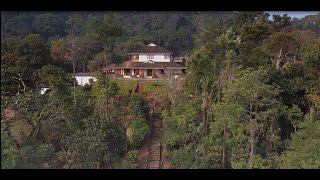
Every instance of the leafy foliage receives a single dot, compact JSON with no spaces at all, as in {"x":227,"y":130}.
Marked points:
{"x":137,"y":131}
{"x":132,"y":156}
{"x":253,"y":83}
{"x":303,"y":151}
{"x":137,"y":105}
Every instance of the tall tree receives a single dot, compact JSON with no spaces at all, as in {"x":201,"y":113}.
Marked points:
{"x":98,"y":144}
{"x":227,"y":133}
{"x":257,"y":98}
{"x":20,"y":60}
{"x":107,"y":33}
{"x":303,"y":151}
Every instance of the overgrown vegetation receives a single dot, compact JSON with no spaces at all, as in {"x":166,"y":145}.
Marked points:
{"x":254,"y":97}
{"x":137,"y":131}
{"x":251,"y":97}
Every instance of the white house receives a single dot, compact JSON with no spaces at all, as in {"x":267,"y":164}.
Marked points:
{"x":83,"y":78}
{"x":150,"y":61}
{"x":151,"y":52}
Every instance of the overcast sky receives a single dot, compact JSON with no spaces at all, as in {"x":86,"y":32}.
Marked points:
{"x":293,"y":14}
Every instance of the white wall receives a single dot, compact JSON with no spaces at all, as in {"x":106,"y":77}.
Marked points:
{"x":43,"y":90}
{"x":82,"y":80}
{"x":157,"y":58}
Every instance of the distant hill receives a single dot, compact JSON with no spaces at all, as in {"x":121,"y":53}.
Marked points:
{"x":172,"y":30}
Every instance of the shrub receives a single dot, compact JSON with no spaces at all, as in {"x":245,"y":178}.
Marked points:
{"x":87,"y":87}
{"x":183,"y":157}
{"x":132,"y":156}
{"x":137,"y":105}
{"x":167,"y":104}
{"x":137,"y":131}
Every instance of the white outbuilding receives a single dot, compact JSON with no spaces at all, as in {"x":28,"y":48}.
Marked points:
{"x":83,"y":78}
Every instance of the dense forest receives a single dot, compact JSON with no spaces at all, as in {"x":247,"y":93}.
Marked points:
{"x":251,"y":97}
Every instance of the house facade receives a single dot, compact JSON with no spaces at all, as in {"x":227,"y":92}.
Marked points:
{"x":111,"y":70}
{"x":150,"y":61}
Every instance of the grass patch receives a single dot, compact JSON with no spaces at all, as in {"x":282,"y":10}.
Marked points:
{"x":126,"y":85}
{"x":155,"y":87}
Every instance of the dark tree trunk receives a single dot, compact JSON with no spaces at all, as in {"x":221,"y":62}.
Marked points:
{"x":74,"y":83}
{"x":224,"y":152}
{"x":252,"y":139}
{"x":252,"y":134}
{"x":204,"y":125}
{"x":107,"y":86}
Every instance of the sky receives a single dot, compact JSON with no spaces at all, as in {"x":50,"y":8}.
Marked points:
{"x":293,"y":14}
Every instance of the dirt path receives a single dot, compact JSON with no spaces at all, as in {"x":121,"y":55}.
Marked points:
{"x":154,"y":156}
{"x":141,"y":87}
{"x":144,"y":149}
{"x":143,"y":153}
{"x":150,"y":153}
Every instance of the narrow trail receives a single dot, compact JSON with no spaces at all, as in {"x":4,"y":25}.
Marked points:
{"x":141,"y":87}
{"x":144,"y":149}
{"x":150,"y":153}
{"x":155,"y":148}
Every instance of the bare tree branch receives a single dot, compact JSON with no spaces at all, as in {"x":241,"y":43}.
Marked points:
{"x":45,"y":109}
{"x":22,"y":82}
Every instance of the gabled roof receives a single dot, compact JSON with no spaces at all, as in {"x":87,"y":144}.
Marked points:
{"x":151,"y":48}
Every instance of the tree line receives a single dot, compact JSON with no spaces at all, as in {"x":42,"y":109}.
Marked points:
{"x":69,"y":126}
{"x":255,"y":90}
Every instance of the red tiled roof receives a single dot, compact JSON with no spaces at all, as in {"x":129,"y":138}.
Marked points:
{"x":154,"y":65}
{"x":112,"y":66}
{"x":151,"y":49}
{"x":171,"y":65}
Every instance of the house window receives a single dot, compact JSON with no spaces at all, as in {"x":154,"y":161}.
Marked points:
{"x":150,"y":57}
{"x":127,"y":72}
{"x":166,"y":56}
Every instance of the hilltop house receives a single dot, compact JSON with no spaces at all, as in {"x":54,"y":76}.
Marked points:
{"x":150,"y":61}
